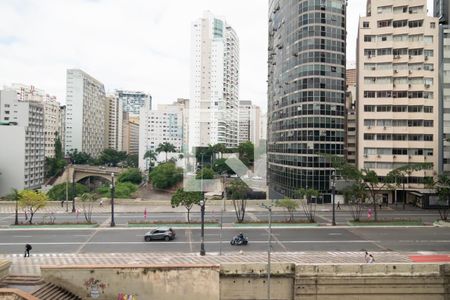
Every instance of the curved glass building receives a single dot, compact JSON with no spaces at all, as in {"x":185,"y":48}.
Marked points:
{"x":306,"y":92}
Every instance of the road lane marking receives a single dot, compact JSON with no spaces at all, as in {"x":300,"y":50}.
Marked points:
{"x":335,"y":233}
{"x":81,"y":235}
{"x":23,"y":236}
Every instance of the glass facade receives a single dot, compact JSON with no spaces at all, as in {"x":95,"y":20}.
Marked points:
{"x":306,"y":92}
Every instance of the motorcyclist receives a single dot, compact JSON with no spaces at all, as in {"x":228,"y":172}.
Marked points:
{"x":241,"y":236}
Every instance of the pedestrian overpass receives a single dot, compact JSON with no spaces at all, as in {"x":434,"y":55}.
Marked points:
{"x":75,"y":173}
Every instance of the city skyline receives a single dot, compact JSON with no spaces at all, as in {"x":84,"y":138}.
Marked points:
{"x":58,"y":48}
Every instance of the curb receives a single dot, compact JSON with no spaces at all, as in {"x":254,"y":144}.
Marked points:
{"x":53,"y":226}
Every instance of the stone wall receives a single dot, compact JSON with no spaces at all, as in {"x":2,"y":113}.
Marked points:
{"x":15,"y":294}
{"x":152,"y":282}
{"x":4,"y":268}
{"x":249,"y":281}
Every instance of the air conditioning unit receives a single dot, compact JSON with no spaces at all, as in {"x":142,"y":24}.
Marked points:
{"x":394,"y":85}
{"x":395,"y":156}
{"x":425,"y":158}
{"x":368,"y":127}
{"x":410,"y":56}
{"x":378,"y":155}
{"x":426,"y":57}
{"x":409,"y":156}
{"x":395,"y":71}
{"x":365,"y":155}
{"x":410,"y":72}
{"x":427,"y":86}
{"x":384,"y":128}
{"x":409,"y":85}
{"x":373,"y":68}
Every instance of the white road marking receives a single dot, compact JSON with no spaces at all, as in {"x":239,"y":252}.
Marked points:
{"x":335,"y":233}
{"x":23,"y":236}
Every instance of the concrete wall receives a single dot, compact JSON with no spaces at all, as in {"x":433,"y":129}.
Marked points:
{"x":153,"y":282}
{"x":4,"y":268}
{"x":246,"y":281}
{"x":15,"y":294}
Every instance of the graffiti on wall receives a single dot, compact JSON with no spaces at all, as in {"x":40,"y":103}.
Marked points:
{"x":123,"y":296}
{"x":94,"y":287}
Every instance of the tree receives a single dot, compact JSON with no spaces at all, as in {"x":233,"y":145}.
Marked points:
{"x":151,"y":156}
{"x":132,"y":161}
{"x":237,"y":190}
{"x":309,"y":208}
{"x":186,"y":199}
{"x":121,"y":189}
{"x":355,"y":195}
{"x":166,"y":175}
{"x":58,"y":148}
{"x":290,"y":205}
{"x":166,"y":147}
{"x":205,"y":173}
{"x":112,"y":157}
{"x":32,"y":201}
{"x":79,"y":158}
{"x":220,"y":167}
{"x":55,"y":165}
{"x":401,"y":175}
{"x":132,"y":175}
{"x":58,"y":192}
{"x":220,"y":148}
{"x":246,"y":153}
{"x":87,"y":201}
{"x":442,"y":186}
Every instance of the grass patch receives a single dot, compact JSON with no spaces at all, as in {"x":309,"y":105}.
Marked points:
{"x":387,"y":222}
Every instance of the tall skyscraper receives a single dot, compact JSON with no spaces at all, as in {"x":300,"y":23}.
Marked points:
{"x":441,"y":11}
{"x":249,"y":122}
{"x":398,"y":94}
{"x":214,"y":102}
{"x":51,"y":112}
{"x":86,"y":113}
{"x":306,"y":92}
{"x":114,"y":115}
{"x":133,"y":101}
{"x":22,"y":154}
{"x":350,"y":114}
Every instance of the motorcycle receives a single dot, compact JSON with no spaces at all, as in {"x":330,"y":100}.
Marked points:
{"x":239,"y":241}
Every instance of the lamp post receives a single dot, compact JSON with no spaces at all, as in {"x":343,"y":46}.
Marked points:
{"x":73,"y":191}
{"x":333,"y":188}
{"x":202,"y":244}
{"x":269,"y":208}
{"x":16,"y":219}
{"x":113,"y":187}
{"x":221,"y":211}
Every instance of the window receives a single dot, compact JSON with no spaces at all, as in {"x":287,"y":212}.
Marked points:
{"x":428,"y":39}
{"x":366,"y":25}
{"x":433,"y":25}
{"x":384,"y":23}
{"x":400,"y":23}
{"x":400,"y":9}
{"x":415,"y":24}
{"x":428,"y":53}
{"x":369,"y":38}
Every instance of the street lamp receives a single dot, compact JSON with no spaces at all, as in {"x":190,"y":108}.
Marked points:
{"x":16,"y":220}
{"x":333,"y":188}
{"x":269,"y":208}
{"x":73,"y":191}
{"x":222,"y":210}
{"x":202,"y":244}
{"x":113,"y":187}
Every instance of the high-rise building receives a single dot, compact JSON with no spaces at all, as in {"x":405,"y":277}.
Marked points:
{"x":114,"y":115}
{"x":157,"y":127}
{"x":133,"y":101}
{"x":249,"y":122}
{"x":85,"y":113}
{"x":22,"y":155}
{"x":306,"y":93}
{"x":130,"y":133}
{"x":398,"y":94}
{"x":182,"y":105}
{"x":350,"y":113}
{"x":51,"y":112}
{"x":214,"y":102}
{"x":263,"y":127}
{"x":62,"y":127}
{"x":441,"y":11}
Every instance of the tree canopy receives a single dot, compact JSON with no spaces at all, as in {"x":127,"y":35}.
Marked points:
{"x":79,"y":158}
{"x":112,"y":157}
{"x":132,"y":175}
{"x":122,"y":190}
{"x":166,"y":175}
{"x":32,"y":201}
{"x":186,"y":199}
{"x":205,"y":173}
{"x":58,"y":192}
{"x":166,"y":147}
{"x":247,"y":153}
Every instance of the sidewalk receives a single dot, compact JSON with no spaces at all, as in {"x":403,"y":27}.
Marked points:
{"x":31,"y":266}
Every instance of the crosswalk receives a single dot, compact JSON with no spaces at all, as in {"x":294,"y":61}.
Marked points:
{"x":31,"y":266}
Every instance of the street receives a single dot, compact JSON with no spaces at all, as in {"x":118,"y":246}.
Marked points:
{"x":322,"y":217}
{"x":106,"y":240}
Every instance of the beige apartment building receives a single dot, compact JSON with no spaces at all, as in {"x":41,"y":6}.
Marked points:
{"x":350,"y":114}
{"x":398,"y":93}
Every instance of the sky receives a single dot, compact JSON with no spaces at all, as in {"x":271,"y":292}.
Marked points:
{"x":132,"y":44}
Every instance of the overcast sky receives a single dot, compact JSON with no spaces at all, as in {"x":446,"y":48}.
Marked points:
{"x":132,"y":44}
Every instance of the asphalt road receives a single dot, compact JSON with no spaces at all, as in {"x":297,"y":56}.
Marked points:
{"x":228,"y":217}
{"x":117,"y":240}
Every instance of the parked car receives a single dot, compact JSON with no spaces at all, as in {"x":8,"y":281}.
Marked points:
{"x":160,"y":233}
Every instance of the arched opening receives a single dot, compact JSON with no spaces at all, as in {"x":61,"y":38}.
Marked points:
{"x":93,"y":182}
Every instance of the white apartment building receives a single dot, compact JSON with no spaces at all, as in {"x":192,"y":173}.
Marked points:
{"x":51,"y":112}
{"x":214,"y":101}
{"x":263,"y":132}
{"x":157,"y":127}
{"x":113,"y":123}
{"x":22,"y":157}
{"x":182,"y":105}
{"x":398,"y":93}
{"x":249,"y":122}
{"x":85,"y":113}
{"x":133,"y":101}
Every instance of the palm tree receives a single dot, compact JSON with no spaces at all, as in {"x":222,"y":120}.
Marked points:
{"x":220,"y":148}
{"x":151,"y":155}
{"x":166,"y":147}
